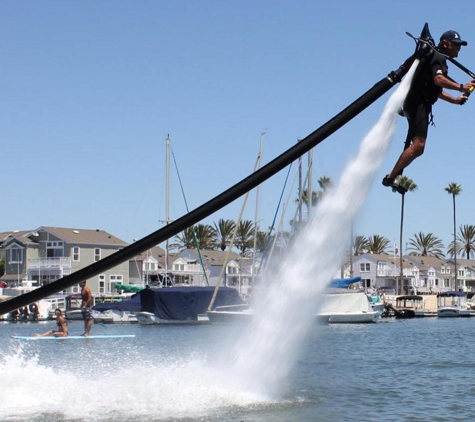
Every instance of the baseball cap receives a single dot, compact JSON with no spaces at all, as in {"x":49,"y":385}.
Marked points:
{"x":453,"y":36}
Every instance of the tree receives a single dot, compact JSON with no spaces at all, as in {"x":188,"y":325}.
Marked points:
{"x":2,"y":266}
{"x":378,"y":244}
{"x":454,"y":189}
{"x":360,"y":245}
{"x":223,"y":233}
{"x":410,"y":186}
{"x":244,"y":236}
{"x":465,"y":244}
{"x":200,"y":236}
{"x":426,"y":245}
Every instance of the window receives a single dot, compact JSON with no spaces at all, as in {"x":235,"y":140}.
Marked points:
{"x":365,"y":267}
{"x":16,"y":255}
{"x":97,"y":254}
{"x":102,"y":283}
{"x":178,"y":267}
{"x":76,"y":256}
{"x":54,"y":249}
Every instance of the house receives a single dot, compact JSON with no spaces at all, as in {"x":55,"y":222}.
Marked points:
{"x":46,"y":254}
{"x":435,"y":274}
{"x":211,"y":267}
{"x":149,"y":266}
{"x":383,"y":271}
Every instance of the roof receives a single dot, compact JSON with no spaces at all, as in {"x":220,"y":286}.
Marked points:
{"x":213,"y":257}
{"x":84,"y":236}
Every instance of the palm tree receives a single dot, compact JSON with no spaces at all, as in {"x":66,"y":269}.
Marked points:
{"x":426,"y":245}
{"x":360,"y":245}
{"x":410,"y":186}
{"x":244,"y":236}
{"x":378,"y":244}
{"x":465,"y":242}
{"x":200,"y":236}
{"x":223,"y":233}
{"x":454,"y":189}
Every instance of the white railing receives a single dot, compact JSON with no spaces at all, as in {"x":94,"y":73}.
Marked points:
{"x":62,"y":262}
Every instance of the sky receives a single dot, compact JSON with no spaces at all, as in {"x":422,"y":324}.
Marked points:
{"x":92,"y":89}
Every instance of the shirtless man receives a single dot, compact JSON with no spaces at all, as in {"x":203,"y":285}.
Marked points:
{"x":87,"y":302}
{"x":62,"y":326}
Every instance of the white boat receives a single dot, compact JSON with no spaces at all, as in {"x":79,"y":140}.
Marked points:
{"x":149,"y":318}
{"x":42,"y":310}
{"x":230,"y":314}
{"x":73,"y":303}
{"x":347,"y":307}
{"x":453,"y":304}
{"x":119,"y":312}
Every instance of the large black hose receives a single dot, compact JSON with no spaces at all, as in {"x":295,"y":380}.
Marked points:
{"x":219,"y":201}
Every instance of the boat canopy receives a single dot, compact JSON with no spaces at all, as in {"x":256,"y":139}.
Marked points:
{"x":452,"y":293}
{"x":344,"y":283}
{"x":345,"y":303}
{"x":185,"y":303}
{"x":127,"y":288}
{"x":410,"y":297}
{"x":131,"y":305}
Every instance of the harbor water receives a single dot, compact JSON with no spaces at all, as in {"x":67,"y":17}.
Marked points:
{"x":401,"y":370}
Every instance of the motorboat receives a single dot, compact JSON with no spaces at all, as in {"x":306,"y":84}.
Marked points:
{"x":453,"y":304}
{"x":341,"y":306}
{"x":182,"y":305}
{"x":230,"y":314}
{"x":121,"y":312}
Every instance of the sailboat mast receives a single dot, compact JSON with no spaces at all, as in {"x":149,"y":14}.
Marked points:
{"x":256,"y":216}
{"x":310,"y":184}
{"x":167,"y":202}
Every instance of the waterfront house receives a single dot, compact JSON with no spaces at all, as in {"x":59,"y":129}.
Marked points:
{"x":46,"y":254}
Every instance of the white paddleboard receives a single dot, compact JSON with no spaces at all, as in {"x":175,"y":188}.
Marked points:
{"x":74,"y":337}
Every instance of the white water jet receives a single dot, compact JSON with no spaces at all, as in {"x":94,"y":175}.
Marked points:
{"x":285,"y":312}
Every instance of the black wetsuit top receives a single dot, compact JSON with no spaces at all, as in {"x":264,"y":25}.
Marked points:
{"x":422,"y":95}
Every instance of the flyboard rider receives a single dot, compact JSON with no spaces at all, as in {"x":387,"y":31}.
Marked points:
{"x":427,"y":87}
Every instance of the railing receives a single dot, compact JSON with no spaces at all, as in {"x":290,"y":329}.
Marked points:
{"x":62,"y":262}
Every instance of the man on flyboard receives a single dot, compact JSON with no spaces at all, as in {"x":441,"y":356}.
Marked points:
{"x":427,"y":87}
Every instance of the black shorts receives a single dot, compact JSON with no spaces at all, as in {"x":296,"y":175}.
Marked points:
{"x":417,"y":114}
{"x":86,"y":314}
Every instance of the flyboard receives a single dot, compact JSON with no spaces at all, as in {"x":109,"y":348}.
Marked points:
{"x":74,"y":337}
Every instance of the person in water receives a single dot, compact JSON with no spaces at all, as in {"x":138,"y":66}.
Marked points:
{"x":427,"y":87}
{"x":86,"y":303}
{"x":62,"y":326}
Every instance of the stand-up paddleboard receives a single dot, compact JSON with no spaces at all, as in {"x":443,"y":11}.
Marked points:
{"x":74,"y":337}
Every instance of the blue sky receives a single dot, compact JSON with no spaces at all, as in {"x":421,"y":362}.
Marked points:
{"x":90,"y":91}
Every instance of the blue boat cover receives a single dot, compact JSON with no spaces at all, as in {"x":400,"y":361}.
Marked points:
{"x":185,"y":303}
{"x":450,"y":294}
{"x":344,"y":283}
{"x":130,"y":305}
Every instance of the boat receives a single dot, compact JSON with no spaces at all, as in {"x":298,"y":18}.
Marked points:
{"x":230,"y":314}
{"x":182,"y":305}
{"x":42,"y":310}
{"x":73,"y":303}
{"x":342,"y":306}
{"x":117,"y":312}
{"x":453,"y":304}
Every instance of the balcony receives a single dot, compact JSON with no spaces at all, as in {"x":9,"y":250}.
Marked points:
{"x":63,"y":263}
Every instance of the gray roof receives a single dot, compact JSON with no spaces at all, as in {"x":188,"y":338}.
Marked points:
{"x":84,"y":236}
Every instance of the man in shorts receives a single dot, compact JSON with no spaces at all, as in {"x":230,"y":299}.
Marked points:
{"x":427,"y":87}
{"x":86,"y":303}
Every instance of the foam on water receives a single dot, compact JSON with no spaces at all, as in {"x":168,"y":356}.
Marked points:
{"x":182,"y":389}
{"x":286,"y":309}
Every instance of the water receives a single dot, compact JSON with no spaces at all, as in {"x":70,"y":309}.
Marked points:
{"x":411,"y":370}
{"x":281,"y":368}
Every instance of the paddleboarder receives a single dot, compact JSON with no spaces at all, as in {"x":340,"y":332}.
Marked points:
{"x":86,"y":303}
{"x":427,"y":87}
{"x":62,"y":326}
